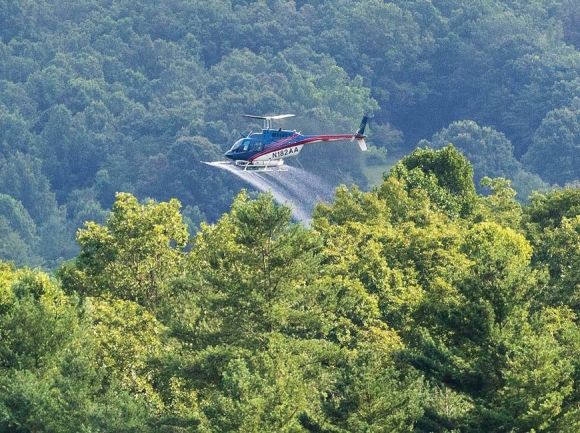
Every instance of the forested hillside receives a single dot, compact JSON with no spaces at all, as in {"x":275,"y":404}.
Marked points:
{"x":101,"y":97}
{"x":420,"y":306}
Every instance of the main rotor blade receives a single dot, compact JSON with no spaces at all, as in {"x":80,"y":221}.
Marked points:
{"x":280,"y":116}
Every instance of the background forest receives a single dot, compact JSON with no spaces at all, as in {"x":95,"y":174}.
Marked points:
{"x":141,"y":290}
{"x":99,"y":97}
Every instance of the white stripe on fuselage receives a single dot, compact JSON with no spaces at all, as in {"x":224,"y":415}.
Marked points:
{"x":281,"y":153}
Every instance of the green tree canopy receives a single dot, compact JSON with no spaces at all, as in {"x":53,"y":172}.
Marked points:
{"x":554,"y":152}
{"x":132,"y":256}
{"x":489,"y":151}
{"x":445,"y":176}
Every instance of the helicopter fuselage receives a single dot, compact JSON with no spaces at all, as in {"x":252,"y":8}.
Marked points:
{"x":270,"y":147}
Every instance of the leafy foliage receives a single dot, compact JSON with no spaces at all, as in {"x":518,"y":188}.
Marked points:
{"x":419,"y":306}
{"x":416,"y":306}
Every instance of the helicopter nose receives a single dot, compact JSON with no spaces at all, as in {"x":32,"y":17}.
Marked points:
{"x":229,"y":155}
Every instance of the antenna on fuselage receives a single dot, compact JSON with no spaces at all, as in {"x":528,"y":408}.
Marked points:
{"x":268,"y":119}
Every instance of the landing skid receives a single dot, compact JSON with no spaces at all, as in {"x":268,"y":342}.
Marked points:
{"x":269,"y":165}
{"x":241,"y":166}
{"x":265,"y":168}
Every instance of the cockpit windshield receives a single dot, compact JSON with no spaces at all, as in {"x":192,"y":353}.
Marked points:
{"x":245,"y":145}
{"x":239,"y":145}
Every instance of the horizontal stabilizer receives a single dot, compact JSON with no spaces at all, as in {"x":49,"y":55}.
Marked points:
{"x":362,"y":144}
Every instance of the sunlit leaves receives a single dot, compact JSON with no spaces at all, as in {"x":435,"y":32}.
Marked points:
{"x":537,"y":377}
{"x":500,"y":206}
{"x":562,"y":247}
{"x":256,"y":265}
{"x":134,"y":254}
{"x":128,"y":336}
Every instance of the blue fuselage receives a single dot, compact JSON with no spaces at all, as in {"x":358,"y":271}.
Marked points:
{"x":266,"y":142}
{"x":271,"y":146}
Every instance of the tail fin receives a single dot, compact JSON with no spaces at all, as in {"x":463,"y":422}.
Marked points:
{"x":363,"y":125}
{"x":360,"y":134}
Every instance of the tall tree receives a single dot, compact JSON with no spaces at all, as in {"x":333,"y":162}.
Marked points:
{"x":133,"y":256}
{"x":555,"y":150}
{"x":489,"y":151}
{"x":445,"y":176}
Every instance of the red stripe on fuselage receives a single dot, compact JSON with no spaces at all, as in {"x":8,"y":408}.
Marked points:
{"x":283,"y":144}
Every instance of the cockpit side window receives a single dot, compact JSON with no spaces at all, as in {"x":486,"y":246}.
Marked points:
{"x":237,"y":147}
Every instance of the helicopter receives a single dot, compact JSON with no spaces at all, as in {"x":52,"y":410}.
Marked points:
{"x":267,"y":150}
